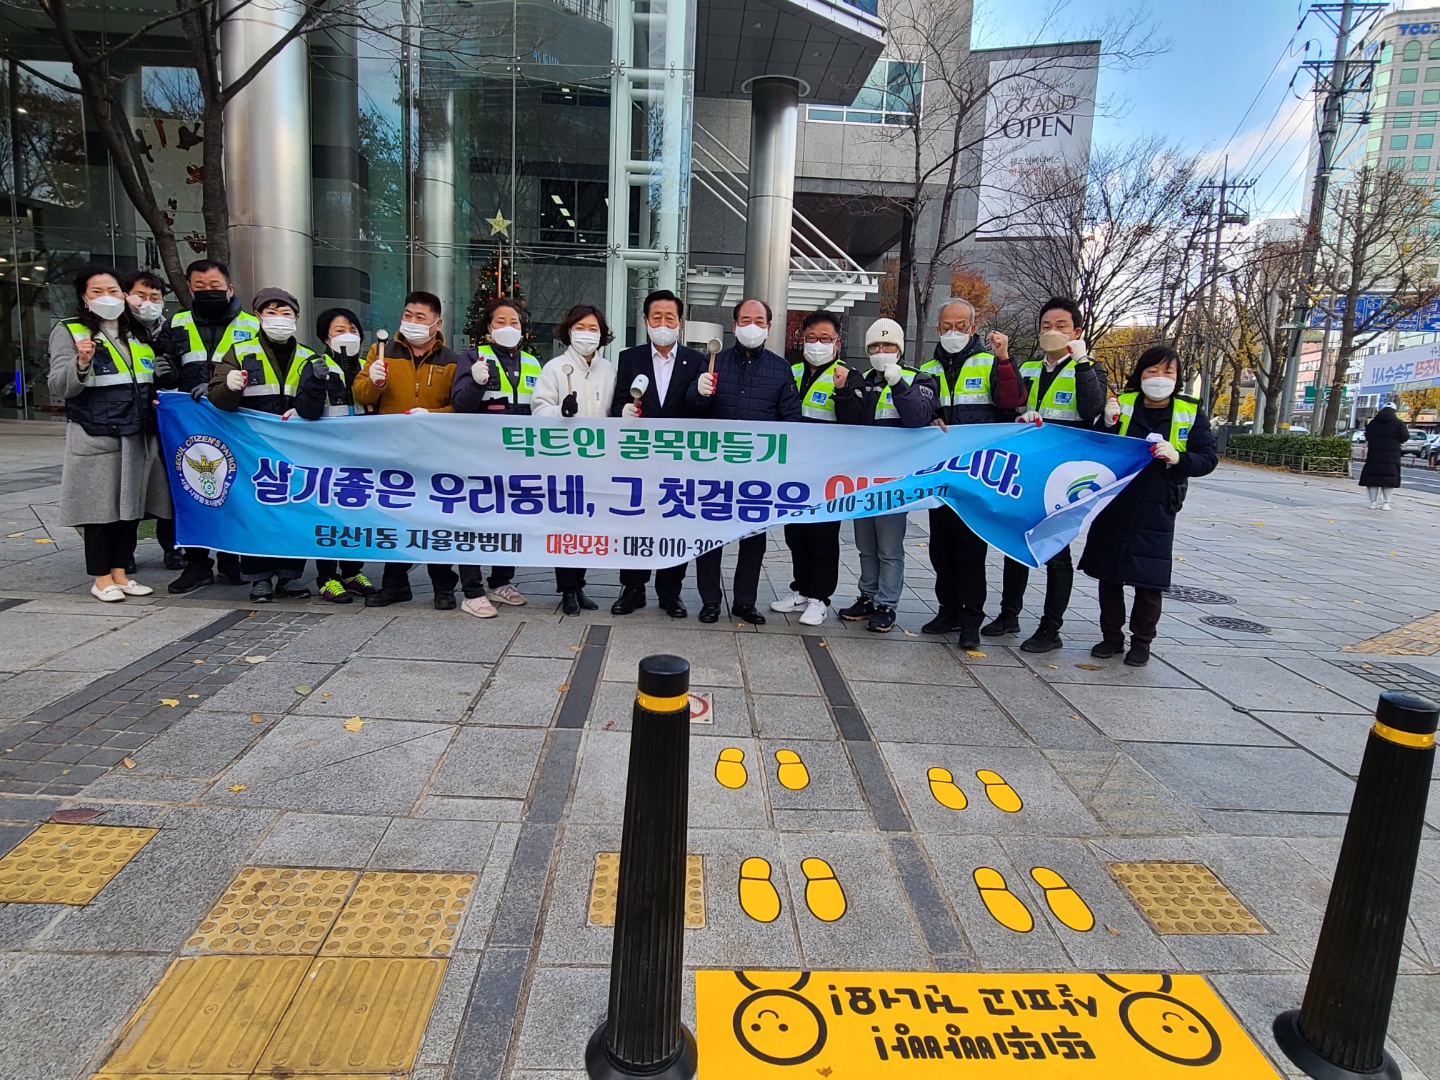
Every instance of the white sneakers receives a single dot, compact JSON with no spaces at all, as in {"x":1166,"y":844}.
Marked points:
{"x":815,"y":613}
{"x":793,"y":602}
{"x":113,"y":594}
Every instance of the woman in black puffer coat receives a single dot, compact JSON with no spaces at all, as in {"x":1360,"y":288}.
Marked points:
{"x":1384,"y":436}
{"x":1132,"y":539}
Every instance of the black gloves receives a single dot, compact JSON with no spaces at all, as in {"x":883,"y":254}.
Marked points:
{"x":571,"y":405}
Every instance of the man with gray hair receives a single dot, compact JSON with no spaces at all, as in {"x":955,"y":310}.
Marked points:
{"x":979,"y":384}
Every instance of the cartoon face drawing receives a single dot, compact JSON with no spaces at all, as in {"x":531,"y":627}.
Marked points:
{"x":780,"y":1027}
{"x":1170,"y":1029}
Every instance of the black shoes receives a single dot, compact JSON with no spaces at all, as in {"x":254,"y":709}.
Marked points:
{"x":174,"y":560}
{"x":227,"y":569}
{"x":1046,"y":639}
{"x":1001,"y":625}
{"x":672,"y":606}
{"x":360,"y":586}
{"x":386,"y":597}
{"x":862,"y":608}
{"x":1138,"y":656}
{"x":710,"y":613}
{"x":585,"y":601}
{"x":262,"y":592}
{"x":1107,"y":648}
{"x":749,"y":614}
{"x":970,"y":632}
{"x":573,"y":601}
{"x":286,"y":589}
{"x":631,"y":598}
{"x":882,"y":621}
{"x":193,"y":577}
{"x":943,"y":623}
{"x":444,"y":601}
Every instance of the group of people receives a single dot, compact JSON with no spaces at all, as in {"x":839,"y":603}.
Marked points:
{"x":109,"y":359}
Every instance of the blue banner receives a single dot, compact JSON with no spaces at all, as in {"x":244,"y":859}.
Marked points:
{"x":544,"y":491}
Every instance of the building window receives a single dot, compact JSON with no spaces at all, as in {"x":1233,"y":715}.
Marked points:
{"x":1399,"y":142}
{"x":1420,"y":163}
{"x":1426,"y":119}
{"x":891,"y":95}
{"x":1424,"y":142}
{"x":573,"y":211}
{"x":1435,"y":49}
{"x":1387,"y":53}
{"x":1432,"y":74}
{"x":1405,"y":97}
{"x":1412,"y":50}
{"x":1395,"y":163}
{"x":1410,"y":75}
{"x":1372,"y":145}
{"x":1400,"y":120}
{"x":1381,"y":100}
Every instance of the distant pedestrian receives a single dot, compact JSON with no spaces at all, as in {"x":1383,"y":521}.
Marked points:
{"x":1132,"y":540}
{"x":1384,"y":435}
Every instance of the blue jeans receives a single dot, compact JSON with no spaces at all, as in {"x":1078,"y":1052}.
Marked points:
{"x":881,"y":541}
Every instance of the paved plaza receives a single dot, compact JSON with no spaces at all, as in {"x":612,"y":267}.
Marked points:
{"x":481,"y":766}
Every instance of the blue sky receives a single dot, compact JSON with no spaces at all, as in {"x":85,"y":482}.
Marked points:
{"x":1221,"y":55}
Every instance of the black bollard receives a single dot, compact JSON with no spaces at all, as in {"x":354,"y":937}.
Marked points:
{"x":1338,"y":1033}
{"x":642,"y":1035}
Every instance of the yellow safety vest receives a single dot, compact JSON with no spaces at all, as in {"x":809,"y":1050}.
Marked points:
{"x":972,"y":381}
{"x":885,"y":408}
{"x":303,"y":357}
{"x":1059,"y":401}
{"x":818,"y":402}
{"x":529,"y":375}
{"x":251,"y":358}
{"x":1183,"y":412}
{"x":244,"y":327}
{"x":108,"y":366}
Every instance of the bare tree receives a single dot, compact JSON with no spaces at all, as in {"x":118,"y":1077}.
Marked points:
{"x":1379,"y":241}
{"x":1261,"y":287}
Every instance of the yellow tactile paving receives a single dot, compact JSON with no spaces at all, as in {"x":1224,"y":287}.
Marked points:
{"x":1185,"y":898}
{"x":67,"y":864}
{"x":606,"y":881}
{"x":401,"y":914}
{"x":210,"y":1015}
{"x":272,"y":910}
{"x":1418,"y":638}
{"x":358,"y":1015}
{"x":185,"y":1076}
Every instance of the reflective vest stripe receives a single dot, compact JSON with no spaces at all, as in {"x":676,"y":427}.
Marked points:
{"x":108,"y":366}
{"x":1182,"y":417}
{"x":338,"y":410}
{"x":972,"y":381}
{"x":818,"y":399}
{"x":248,"y":324}
{"x":529,"y":376}
{"x":1059,"y":402}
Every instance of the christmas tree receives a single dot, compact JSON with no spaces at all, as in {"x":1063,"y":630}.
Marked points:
{"x":487,"y":289}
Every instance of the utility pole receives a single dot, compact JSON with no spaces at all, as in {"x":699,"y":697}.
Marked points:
{"x":1223,"y":217}
{"x":1335,"y":87}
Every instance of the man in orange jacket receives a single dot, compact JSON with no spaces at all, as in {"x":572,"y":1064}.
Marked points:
{"x":410,"y":375}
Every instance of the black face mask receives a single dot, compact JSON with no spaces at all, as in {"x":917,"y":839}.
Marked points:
{"x":210,"y":304}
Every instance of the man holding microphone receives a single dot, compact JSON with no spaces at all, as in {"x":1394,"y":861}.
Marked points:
{"x":659,"y":372}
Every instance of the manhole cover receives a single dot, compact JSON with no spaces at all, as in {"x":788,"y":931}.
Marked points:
{"x":1225,"y":622}
{"x":1187,"y":595}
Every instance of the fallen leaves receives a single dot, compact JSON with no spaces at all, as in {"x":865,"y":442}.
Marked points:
{"x":304,"y":688}
{"x":129,"y":762}
{"x":255,"y":659}
{"x":354,"y":724}
{"x":976,"y":653}
{"x":192,"y":695}
{"x":77,"y":815}
{"x":1091,"y":667}
{"x":170,"y":701}
{"x":239,"y":787}
{"x":44,"y":540}
{"x":256,"y":718}
{"x":197,"y":661}
{"x":563,"y":687}
{"x":1112,"y":930}
{"x":12,"y":536}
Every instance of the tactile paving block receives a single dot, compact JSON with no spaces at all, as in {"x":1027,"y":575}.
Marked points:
{"x":209,"y":1016}
{"x":1185,"y":898}
{"x":401,"y":914}
{"x":67,"y":864}
{"x":606,"y":881}
{"x":275,"y":911}
{"x":360,"y":1015}
{"x":1418,"y":638}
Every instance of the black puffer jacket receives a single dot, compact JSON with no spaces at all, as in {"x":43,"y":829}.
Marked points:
{"x":1384,"y":436}
{"x":750,"y":384}
{"x":1132,"y":540}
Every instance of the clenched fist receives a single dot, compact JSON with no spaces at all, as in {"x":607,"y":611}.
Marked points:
{"x":85,"y":351}
{"x":841,"y":376}
{"x":480,"y":372}
{"x":1112,"y":412}
{"x":235,"y":380}
{"x":631,"y":411}
{"x":707,"y":384}
{"x":378,"y":370}
{"x":1000,"y":346}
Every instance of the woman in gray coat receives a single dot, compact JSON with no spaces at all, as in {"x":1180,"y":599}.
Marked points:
{"x":114,"y":474}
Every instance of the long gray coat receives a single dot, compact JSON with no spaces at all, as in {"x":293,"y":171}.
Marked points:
{"x":106,"y":478}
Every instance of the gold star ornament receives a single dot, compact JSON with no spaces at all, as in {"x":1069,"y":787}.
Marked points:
{"x":498,"y":225}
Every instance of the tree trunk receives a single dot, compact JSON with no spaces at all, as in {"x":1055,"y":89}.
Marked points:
{"x":1234,"y":417}
{"x":906,"y":269}
{"x":215,"y":197}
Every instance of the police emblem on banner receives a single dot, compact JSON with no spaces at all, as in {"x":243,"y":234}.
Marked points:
{"x":206,"y":469}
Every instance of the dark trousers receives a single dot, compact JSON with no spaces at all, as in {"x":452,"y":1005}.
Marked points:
{"x":569,"y":577}
{"x":165,"y":534}
{"x":668,"y":582}
{"x":330,"y":570}
{"x":263,"y":568}
{"x":396,"y":577}
{"x":814,"y":558}
{"x":747,"y":573}
{"x":1059,"y":582}
{"x":501,"y":575}
{"x":110,"y":546}
{"x":229,"y":564}
{"x":958,"y":556}
{"x":1144,"y":616}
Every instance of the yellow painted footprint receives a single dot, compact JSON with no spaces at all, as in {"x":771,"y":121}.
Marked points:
{"x":823,"y":894}
{"x":792,"y":773}
{"x":1004,"y":906}
{"x":947,"y":793}
{"x":730,"y":768}
{"x":1065,"y":903}
{"x":999,"y":792}
{"x":758,"y":896}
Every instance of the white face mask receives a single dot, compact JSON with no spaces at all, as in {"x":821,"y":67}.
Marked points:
{"x":819,"y":353}
{"x":954,"y":341}
{"x":148,"y":311}
{"x":345,"y":344}
{"x":1157,"y":389}
{"x":663,"y":336}
{"x":1054,"y":341}
{"x":417,"y":333}
{"x":881,"y":360}
{"x":507,"y":337}
{"x":278,"y":327}
{"x":584,"y":342}
{"x":106,"y":307}
{"x":751,"y":336}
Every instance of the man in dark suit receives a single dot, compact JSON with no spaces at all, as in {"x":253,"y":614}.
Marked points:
{"x":670,"y":369}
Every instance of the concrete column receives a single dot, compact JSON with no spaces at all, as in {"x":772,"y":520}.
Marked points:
{"x":267,"y":151}
{"x":342,"y":266}
{"x":774,"y":118}
{"x":433,"y":261}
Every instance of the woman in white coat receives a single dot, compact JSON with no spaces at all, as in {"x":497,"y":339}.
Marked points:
{"x":579,"y":382}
